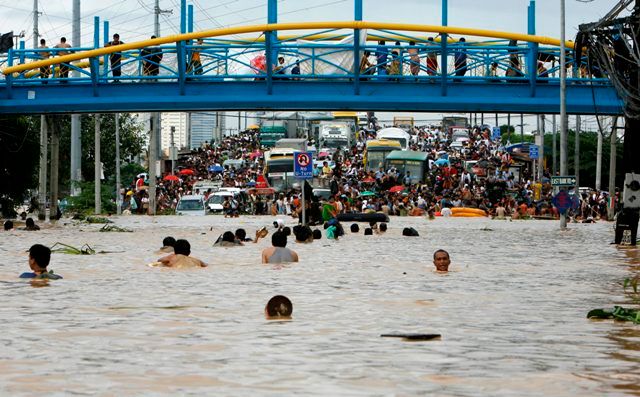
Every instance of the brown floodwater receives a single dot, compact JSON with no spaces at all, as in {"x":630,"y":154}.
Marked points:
{"x":512,"y":313}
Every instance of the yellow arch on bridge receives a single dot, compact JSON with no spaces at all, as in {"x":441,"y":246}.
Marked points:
{"x":284,"y":27}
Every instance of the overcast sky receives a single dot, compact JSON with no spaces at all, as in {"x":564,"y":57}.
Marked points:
{"x":133,"y":19}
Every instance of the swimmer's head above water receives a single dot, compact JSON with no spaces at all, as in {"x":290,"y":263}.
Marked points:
{"x":441,"y":260}
{"x":278,"y":307}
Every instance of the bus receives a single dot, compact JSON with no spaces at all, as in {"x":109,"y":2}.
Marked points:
{"x":395,"y":134}
{"x":279,"y":168}
{"x":376,"y":152}
{"x":417,"y":163}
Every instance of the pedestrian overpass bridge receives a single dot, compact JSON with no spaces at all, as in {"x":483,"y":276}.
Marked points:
{"x":415,"y":70}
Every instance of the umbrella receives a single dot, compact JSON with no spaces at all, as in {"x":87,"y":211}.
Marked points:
{"x":368,"y":180}
{"x":253,"y":155}
{"x":440,"y":162}
{"x":251,"y":183}
{"x":367,"y":193}
{"x":259,"y":64}
{"x":187,"y":171}
{"x":171,"y":178}
{"x":215,"y":168}
{"x":253,"y":127}
{"x":323,"y":154}
{"x":396,"y":189}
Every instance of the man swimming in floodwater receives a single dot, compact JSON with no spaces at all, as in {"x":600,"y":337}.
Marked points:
{"x":441,"y":260}
{"x":39,"y":257}
{"x":278,"y":307}
{"x":167,"y":244}
{"x":180,"y":258}
{"x":279,"y":253}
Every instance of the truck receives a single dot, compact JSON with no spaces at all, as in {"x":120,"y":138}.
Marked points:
{"x":269,"y":135}
{"x":405,"y":123}
{"x":334,"y":135}
{"x":279,"y":168}
{"x":451,"y":121}
{"x":297,"y":144}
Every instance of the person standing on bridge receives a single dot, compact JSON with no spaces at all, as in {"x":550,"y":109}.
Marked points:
{"x":63,"y":68}
{"x":45,"y":71}
{"x":460,"y":59}
{"x":382,"y":53}
{"x":151,"y":58}
{"x":115,"y":58}
{"x":432,"y":58}
{"x":195,"y":63}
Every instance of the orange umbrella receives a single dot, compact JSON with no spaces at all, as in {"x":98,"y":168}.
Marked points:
{"x":171,"y":178}
{"x":396,"y":189}
{"x":187,"y":171}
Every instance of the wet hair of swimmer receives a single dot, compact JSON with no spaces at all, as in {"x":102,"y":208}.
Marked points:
{"x":355,"y":228}
{"x":317,"y":234}
{"x":287,"y":231}
{"x":326,"y":225}
{"x":8,"y":225}
{"x":279,"y":239}
{"x":383,"y":227}
{"x":302,"y":233}
{"x":169,"y":242}
{"x":30,"y":222}
{"x":410,"y":232}
{"x":241,"y":234}
{"x":40,"y":254}
{"x":440,"y":250}
{"x":368,"y":231}
{"x":182,"y":247}
{"x":279,"y":306}
{"x":228,"y":237}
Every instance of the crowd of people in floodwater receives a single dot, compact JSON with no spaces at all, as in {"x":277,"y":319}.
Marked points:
{"x":490,"y":185}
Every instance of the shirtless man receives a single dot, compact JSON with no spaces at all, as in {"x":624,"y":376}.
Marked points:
{"x":441,"y":260}
{"x":279,"y":253}
{"x":180,"y":258}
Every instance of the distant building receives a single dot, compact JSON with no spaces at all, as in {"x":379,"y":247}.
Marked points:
{"x":203,"y":128}
{"x":177,"y":120}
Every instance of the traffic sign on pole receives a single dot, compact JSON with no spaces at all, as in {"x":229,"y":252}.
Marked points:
{"x":567,"y":180}
{"x":302,"y":165}
{"x":533,"y":152}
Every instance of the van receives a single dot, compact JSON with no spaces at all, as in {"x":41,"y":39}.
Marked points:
{"x":191,"y":205}
{"x":234,"y":163}
{"x":202,"y":187}
{"x":216,"y":200}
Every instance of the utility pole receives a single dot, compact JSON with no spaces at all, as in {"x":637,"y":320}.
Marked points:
{"x":553,"y":149}
{"x":598,"y":183}
{"x":36,"y":33}
{"x":540,"y":161}
{"x":154,"y":121}
{"x":55,"y":162}
{"x":76,"y":142}
{"x":521,"y":127}
{"x":576,"y":155}
{"x":172,"y":151}
{"x":42,"y":179}
{"x":563,"y":104}
{"x":97,"y":166}
{"x":118,"y":184}
{"x":612,"y":167}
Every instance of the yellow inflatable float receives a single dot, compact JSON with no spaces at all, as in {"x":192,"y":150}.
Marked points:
{"x":464,"y":212}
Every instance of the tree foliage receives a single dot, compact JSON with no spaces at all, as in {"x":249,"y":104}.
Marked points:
{"x":19,"y":161}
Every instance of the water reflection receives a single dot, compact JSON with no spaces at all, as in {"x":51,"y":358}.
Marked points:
{"x":511,"y":313}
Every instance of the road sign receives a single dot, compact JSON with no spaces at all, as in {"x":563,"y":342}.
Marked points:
{"x":563,"y":180}
{"x":563,"y":201}
{"x":302,"y":165}
{"x":533,"y":152}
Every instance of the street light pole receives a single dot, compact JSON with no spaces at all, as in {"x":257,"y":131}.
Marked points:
{"x":563,"y":104}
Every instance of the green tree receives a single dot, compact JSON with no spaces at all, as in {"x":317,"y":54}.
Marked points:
{"x":19,"y":161}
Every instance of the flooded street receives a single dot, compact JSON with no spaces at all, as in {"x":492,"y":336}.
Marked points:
{"x":512,"y":313}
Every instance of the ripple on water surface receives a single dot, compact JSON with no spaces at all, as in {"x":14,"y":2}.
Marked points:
{"x":511,"y":313}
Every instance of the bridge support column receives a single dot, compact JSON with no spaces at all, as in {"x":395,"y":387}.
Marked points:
{"x":356,"y":49}
{"x":152,"y":158}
